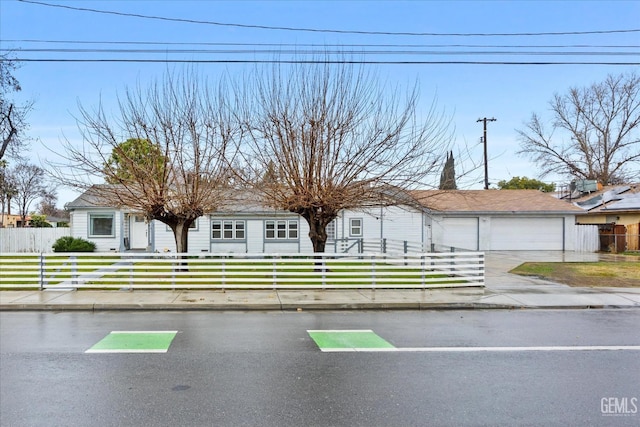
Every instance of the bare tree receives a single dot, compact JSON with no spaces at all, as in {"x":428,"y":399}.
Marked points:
{"x":47,"y":205}
{"x":12,"y":114}
{"x":7,"y":191}
{"x":595,"y":132}
{"x":29,"y":186}
{"x":323,"y":138}
{"x":189,"y":129}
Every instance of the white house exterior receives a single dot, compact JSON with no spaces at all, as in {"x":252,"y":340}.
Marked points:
{"x":248,"y":228}
{"x":500,"y":220}
{"x":465,"y":220}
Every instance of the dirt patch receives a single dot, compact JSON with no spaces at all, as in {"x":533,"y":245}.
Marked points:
{"x":587,"y":274}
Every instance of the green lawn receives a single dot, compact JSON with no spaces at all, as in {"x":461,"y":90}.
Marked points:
{"x":590,"y":274}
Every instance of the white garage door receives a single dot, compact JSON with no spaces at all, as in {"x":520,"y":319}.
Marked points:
{"x":512,"y":234}
{"x":460,"y":233}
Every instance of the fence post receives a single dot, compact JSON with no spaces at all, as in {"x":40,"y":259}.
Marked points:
{"x":373,"y":272}
{"x":406,"y":246}
{"x":131,"y":275}
{"x":384,"y":245}
{"x":422,"y":266}
{"x":74,"y":270}
{"x":41,"y":268}
{"x":224,"y":274}
{"x":173,"y":276}
{"x":275,"y":275}
{"x":433,"y":247}
{"x":324,"y":272}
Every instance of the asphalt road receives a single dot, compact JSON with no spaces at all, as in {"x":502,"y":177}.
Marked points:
{"x":264,"y":369}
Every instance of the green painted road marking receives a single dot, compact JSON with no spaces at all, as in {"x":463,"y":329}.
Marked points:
{"x":134,"y":342}
{"x":349,"y":340}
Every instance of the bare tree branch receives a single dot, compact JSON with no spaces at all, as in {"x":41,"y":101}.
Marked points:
{"x":601,"y":124}
{"x":324,"y":138}
{"x":186,"y":126}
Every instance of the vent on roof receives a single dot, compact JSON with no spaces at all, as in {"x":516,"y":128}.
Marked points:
{"x":586,"y":185}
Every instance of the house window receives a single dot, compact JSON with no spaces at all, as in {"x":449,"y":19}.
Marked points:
{"x":331,"y":230}
{"x":101,"y":225}
{"x":193,"y":226}
{"x":355,"y":227}
{"x":227,"y":229}
{"x":282,"y":230}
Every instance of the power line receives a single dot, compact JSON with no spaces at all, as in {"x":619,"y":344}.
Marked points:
{"x":322,"y":52}
{"x":317,"y":30}
{"x":388,"y":45}
{"x":360,"y":62}
{"x":328,"y":52}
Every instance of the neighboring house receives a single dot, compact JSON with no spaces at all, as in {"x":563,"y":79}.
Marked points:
{"x":616,"y":211}
{"x":11,"y":220}
{"x":427,"y":220}
{"x":57,"y":221}
{"x":490,"y":220}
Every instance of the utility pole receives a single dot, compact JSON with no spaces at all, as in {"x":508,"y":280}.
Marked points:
{"x":484,"y":140}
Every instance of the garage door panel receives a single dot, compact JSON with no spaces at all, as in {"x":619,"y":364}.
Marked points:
{"x":527,"y":234}
{"x":461,"y":233}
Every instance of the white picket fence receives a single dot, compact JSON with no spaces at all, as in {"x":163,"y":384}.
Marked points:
{"x":246,"y":271}
{"x":30,"y":240}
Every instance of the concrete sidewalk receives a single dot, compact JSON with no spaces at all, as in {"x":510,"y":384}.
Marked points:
{"x":502,"y":291}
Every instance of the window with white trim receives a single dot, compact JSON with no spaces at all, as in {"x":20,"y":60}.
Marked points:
{"x":331,"y":230}
{"x":227,"y":229}
{"x":281,"y":230}
{"x":193,"y":226}
{"x":355,"y":227}
{"x":102,"y":225}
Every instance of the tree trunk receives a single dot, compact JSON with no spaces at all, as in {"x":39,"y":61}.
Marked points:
{"x":317,"y":231}
{"x":181,"y":235}
{"x":318,"y":235}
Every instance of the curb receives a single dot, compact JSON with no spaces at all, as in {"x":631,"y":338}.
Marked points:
{"x":297,"y":307}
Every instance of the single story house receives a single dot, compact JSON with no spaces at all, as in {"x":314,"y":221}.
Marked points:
{"x":619,"y":204}
{"x":504,"y":220}
{"x":616,"y":211}
{"x":425,"y":220}
{"x":247,"y":226}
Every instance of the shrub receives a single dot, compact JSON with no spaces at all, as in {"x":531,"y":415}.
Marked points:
{"x":73,"y":244}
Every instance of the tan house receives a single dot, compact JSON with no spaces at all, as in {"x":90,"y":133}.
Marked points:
{"x":616,"y":210}
{"x":11,"y":220}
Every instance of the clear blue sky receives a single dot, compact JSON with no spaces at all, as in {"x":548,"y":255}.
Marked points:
{"x":508,"y":92}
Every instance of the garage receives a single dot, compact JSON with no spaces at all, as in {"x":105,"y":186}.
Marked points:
{"x":510,"y":234}
{"x":461,"y":233}
{"x":500,"y":220}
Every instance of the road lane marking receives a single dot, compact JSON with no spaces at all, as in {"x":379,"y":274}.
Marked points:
{"x":484,"y":349}
{"x":134,"y":342}
{"x":349,"y":340}
{"x":365,"y":340}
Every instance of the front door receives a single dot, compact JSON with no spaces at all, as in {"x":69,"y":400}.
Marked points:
{"x":138,"y":232}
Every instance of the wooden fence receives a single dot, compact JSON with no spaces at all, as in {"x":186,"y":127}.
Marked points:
{"x":30,"y":240}
{"x":246,"y":271}
{"x":633,"y":237}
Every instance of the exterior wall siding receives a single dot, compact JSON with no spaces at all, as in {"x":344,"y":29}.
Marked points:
{"x":392,"y":223}
{"x":624,"y":218}
{"x":255,"y":236}
{"x":80,"y":228}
